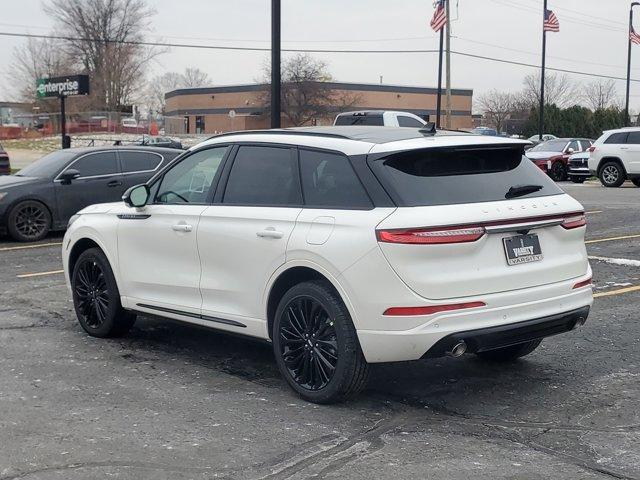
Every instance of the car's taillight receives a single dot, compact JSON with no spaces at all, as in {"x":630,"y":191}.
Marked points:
{"x":431,"y":235}
{"x":583,"y":283}
{"x":413,"y":311}
{"x":574,"y":221}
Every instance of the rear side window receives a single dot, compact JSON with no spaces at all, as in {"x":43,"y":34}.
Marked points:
{"x":634,"y":138}
{"x":455,"y":176}
{"x":263,"y":176}
{"x":369,"y":120}
{"x":139,"y":161}
{"x":405,"y":121}
{"x":95,"y":164}
{"x":619,"y":138}
{"x":328,"y":180}
{"x":585,"y":144}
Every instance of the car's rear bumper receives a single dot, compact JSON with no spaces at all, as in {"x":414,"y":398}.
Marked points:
{"x":507,"y":311}
{"x":490,"y":338}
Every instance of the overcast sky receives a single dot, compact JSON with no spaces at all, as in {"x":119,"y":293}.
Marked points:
{"x":592,"y":38}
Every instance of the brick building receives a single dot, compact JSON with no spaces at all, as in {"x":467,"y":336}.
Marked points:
{"x":207,"y":110}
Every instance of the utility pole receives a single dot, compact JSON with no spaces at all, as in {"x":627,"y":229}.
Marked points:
{"x":631,"y":30}
{"x":448,"y":121}
{"x":542,"y":79}
{"x":276,"y":86}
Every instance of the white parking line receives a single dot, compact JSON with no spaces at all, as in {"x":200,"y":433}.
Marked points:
{"x":40,"y":274}
{"x":26,"y":247}
{"x":610,"y":239}
{"x":617,"y":261}
{"x":616,"y":292}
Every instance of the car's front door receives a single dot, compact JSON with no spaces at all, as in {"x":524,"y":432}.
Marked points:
{"x":243,"y":237}
{"x":157,"y":244}
{"x":100,"y":181}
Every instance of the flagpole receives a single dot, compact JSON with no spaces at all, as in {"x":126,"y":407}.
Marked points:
{"x":626,"y":105}
{"x":448,"y":44}
{"x":439,"y":98}
{"x":544,"y":60}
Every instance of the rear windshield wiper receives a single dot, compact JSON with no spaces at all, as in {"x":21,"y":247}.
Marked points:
{"x":521,"y":190}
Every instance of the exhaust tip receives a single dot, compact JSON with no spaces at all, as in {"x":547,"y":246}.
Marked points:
{"x":458,"y":349}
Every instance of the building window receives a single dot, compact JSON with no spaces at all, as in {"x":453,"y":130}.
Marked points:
{"x":186,"y":125}
{"x":200,"y":124}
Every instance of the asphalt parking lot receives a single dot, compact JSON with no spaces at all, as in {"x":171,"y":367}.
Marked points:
{"x":172,"y":401}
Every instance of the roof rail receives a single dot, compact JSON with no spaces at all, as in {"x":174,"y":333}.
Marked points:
{"x":282,"y":131}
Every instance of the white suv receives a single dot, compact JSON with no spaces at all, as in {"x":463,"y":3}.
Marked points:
{"x":343,"y":246}
{"x":615,"y":157}
{"x":380,"y":118}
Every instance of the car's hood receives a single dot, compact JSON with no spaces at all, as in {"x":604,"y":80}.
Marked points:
{"x":101,"y":208}
{"x":14,"y":181}
{"x":541,"y":155}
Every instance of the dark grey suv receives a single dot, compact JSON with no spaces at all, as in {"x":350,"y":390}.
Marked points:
{"x":43,"y":196}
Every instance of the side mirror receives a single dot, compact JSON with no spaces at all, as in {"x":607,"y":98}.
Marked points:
{"x":137,"y":196}
{"x":570,"y":151}
{"x":68,"y":175}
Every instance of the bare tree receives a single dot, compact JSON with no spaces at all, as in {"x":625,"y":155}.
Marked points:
{"x":194,"y":77}
{"x":306,"y":96}
{"x":559,"y":90}
{"x":37,"y":59}
{"x":600,"y":94}
{"x":104,"y":41}
{"x":158,"y":86}
{"x":496,"y":107}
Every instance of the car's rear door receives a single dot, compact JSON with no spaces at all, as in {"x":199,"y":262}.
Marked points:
{"x":100,"y":181}
{"x":242,"y":237}
{"x":467,"y":226}
{"x":632,"y":154}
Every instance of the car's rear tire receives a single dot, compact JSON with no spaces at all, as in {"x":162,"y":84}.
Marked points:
{"x":578,"y":179}
{"x":636,"y":181}
{"x":29,"y":221}
{"x":612,"y":174}
{"x":96,"y":298}
{"x":558,"y":172}
{"x":316,"y":345}
{"x":508,"y":354}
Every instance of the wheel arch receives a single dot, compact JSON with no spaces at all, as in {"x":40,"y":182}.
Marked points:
{"x":292,"y":274}
{"x":82,"y":242}
{"x":617,"y":160}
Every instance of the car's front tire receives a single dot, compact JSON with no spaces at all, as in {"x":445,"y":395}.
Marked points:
{"x":558,"y":172}
{"x":96,"y":298}
{"x":316,"y":345}
{"x":509,"y":354}
{"x":29,"y":221}
{"x":612,"y":174}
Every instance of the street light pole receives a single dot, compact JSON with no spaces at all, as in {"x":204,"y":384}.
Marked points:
{"x":276,"y":87}
{"x":626,"y":104}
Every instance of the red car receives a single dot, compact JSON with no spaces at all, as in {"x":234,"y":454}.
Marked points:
{"x":5,"y":166}
{"x":552,"y":157}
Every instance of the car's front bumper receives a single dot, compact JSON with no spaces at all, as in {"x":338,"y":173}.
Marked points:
{"x":579,"y":172}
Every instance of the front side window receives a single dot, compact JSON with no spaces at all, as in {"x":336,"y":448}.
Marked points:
{"x":405,"y":121}
{"x":328,"y":180}
{"x":263,"y":176}
{"x":190,"y":180}
{"x":574,"y":145}
{"x":96,"y":164}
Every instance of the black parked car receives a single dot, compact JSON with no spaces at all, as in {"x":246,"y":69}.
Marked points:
{"x":165,"y":142}
{"x":44,"y":195}
{"x":5,"y":166}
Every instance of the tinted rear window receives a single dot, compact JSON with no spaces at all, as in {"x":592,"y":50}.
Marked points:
{"x":371,"y":120}
{"x":619,"y":138}
{"x":139,"y":161}
{"x":455,"y":176}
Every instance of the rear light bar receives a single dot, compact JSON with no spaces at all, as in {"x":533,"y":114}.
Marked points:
{"x":583,"y":283}
{"x":576,"y":221}
{"x":414,"y":311}
{"x":432,"y":235}
{"x":469,"y":233}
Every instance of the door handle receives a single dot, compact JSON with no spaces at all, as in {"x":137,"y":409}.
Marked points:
{"x":269,"y":232}
{"x":114,"y":183}
{"x":182,"y":227}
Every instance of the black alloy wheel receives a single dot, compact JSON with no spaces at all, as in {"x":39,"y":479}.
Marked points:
{"x":558,"y":172}
{"x":96,"y":297}
{"x":29,"y":221}
{"x":308,"y":343}
{"x":92,"y":293}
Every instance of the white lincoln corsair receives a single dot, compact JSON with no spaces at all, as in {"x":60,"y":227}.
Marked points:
{"x":343,"y":246}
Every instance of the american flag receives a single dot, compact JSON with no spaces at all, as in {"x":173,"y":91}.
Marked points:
{"x":634,"y":37}
{"x":439,"y":19}
{"x":551,"y":23}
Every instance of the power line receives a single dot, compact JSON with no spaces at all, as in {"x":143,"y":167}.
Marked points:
{"x":307,"y":50}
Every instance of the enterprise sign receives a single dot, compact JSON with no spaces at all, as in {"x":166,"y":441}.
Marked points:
{"x":62,"y":86}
